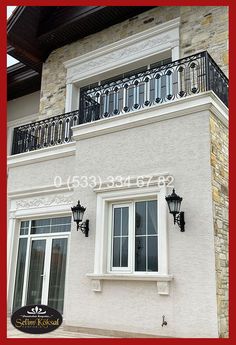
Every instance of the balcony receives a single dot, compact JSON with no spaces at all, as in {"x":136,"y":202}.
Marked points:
{"x":132,"y":91}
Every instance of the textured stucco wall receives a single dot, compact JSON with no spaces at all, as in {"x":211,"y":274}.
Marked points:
{"x":201,"y":28}
{"x":39,"y":174}
{"x":219,"y":164}
{"x":181,"y":147}
{"x":190,"y":309}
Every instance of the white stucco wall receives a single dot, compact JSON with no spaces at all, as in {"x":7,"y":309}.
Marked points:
{"x":181,"y":147}
{"x":23,"y":106}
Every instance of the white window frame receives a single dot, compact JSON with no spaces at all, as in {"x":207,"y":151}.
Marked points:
{"x":110,"y":268}
{"x":131,"y":237}
{"x":47,"y":264}
{"x":107,"y":195}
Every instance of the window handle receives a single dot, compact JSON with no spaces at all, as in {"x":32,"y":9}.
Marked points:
{"x":43,"y":275}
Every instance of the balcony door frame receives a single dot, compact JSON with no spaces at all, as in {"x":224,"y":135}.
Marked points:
{"x":18,"y":213}
{"x":47,"y":264}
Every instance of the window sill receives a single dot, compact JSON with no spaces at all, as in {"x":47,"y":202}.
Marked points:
{"x":162,"y":280}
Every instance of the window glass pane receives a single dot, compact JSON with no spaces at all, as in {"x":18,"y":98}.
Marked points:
{"x":116,"y":252}
{"x":42,"y":226}
{"x":24,"y":224}
{"x":61,"y":220}
{"x":163,"y":86}
{"x":120,"y":99}
{"x":135,"y":71}
{"x":160,"y":63}
{"x":120,"y":236}
{"x":117,"y":221}
{"x":24,"y":227}
{"x":40,"y":222}
{"x":20,"y":273}
{"x":40,"y":230}
{"x":140,"y":253}
{"x":124,"y":258}
{"x":60,"y":228}
{"x":152,"y":90}
{"x":140,"y":218}
{"x":130,"y":91}
{"x":125,"y":221}
{"x":111,"y":102}
{"x":57,"y":274}
{"x":152,"y":253}
{"x":152,"y":217}
{"x":36,"y":271}
{"x":141,"y":93}
{"x":146,"y":236}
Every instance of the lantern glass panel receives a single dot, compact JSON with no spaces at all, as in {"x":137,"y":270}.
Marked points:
{"x":78,"y":215}
{"x":176,"y":206}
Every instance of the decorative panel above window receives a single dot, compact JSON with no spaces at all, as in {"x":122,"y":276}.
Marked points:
{"x":146,"y":48}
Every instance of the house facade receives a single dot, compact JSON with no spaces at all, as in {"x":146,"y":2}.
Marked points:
{"x":116,"y":107}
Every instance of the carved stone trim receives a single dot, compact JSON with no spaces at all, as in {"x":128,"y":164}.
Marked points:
{"x":44,"y":201}
{"x":136,"y":47}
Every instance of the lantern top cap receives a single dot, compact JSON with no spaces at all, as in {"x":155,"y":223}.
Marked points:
{"x":173,"y":196}
{"x":78,"y":207}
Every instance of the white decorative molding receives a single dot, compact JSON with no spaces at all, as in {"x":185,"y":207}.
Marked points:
{"x":186,"y":106}
{"x":41,"y":155}
{"x":40,"y":190}
{"x":59,"y":199}
{"x":145,"y":44}
{"x":12,"y":215}
{"x":162,"y":280}
{"x":163,"y":288}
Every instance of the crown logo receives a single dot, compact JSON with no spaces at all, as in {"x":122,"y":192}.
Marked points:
{"x":36,"y":310}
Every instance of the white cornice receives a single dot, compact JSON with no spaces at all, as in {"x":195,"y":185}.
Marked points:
{"x":40,"y":190}
{"x":206,"y":101}
{"x":22,"y":120}
{"x":143,"y":35}
{"x":44,"y":154}
{"x":137,"y":47}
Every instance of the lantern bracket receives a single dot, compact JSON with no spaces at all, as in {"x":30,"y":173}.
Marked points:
{"x":84,"y":227}
{"x":179,"y":219}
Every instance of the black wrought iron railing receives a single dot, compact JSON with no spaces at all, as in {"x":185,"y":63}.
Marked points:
{"x":47,"y":132}
{"x":123,"y":94}
{"x":175,"y":80}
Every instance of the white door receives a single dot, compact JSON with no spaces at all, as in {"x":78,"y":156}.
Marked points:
{"x":41,"y":263}
{"x":47,"y":268}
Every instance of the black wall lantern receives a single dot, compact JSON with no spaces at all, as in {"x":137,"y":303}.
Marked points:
{"x":174,"y":203}
{"x":78,"y":212}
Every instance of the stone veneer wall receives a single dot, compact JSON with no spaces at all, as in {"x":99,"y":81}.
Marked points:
{"x":201,"y":28}
{"x":219,"y":164}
